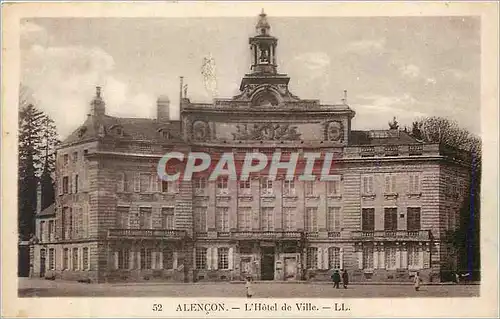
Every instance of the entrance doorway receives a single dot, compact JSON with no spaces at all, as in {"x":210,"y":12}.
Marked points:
{"x":290,"y":268}
{"x":267,"y":263}
{"x":42,"y":263}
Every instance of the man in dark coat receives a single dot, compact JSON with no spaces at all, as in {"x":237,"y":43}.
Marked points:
{"x":345,"y":278}
{"x":336,"y":279}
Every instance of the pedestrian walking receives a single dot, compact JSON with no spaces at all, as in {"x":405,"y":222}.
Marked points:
{"x":416,"y":281}
{"x":336,"y":279}
{"x":345,"y":278}
{"x":248,"y":286}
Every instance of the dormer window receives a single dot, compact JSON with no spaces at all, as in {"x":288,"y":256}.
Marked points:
{"x":82,"y":131}
{"x":117,"y":130}
{"x":165,"y":133}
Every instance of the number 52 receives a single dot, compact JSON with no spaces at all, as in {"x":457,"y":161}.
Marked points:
{"x":157,"y":307}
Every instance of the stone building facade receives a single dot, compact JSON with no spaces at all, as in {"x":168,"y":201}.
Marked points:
{"x":383,"y":217}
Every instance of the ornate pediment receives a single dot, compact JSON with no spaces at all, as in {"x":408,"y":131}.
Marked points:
{"x":266,"y":95}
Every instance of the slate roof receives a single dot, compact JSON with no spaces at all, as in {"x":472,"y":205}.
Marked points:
{"x":49,"y":211}
{"x":393,"y":138}
{"x":132,"y":128}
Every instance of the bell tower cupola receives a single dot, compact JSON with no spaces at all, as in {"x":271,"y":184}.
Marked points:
{"x":263,"y":48}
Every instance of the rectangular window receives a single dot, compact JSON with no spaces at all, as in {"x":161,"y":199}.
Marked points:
{"x":267,"y":219}
{"x":390,"y":258}
{"x":52,"y":259}
{"x":289,"y":218}
{"x":42,"y":230}
{"x":334,"y":219}
{"x":222,"y":186}
{"x":222,"y":219}
{"x":200,"y":222}
{"x":146,"y":258}
{"x":266,"y":186}
{"x":75,"y":259}
{"x":333,"y":188}
{"x":168,"y":187}
{"x":122,"y":214}
{"x":64,"y":218}
{"x":123,"y":258}
{"x":167,"y":218}
{"x":66,"y":159}
{"x":414,"y":186}
{"x":201,"y":258}
{"x":367,"y":257}
{"x":168,"y":258}
{"x":312,"y":258}
{"x":223,"y":258}
{"x":413,"y":218}
{"x":65,"y":185}
{"x":145,"y":218}
{"x":200,"y":185}
{"x":75,"y":157}
{"x":367,"y":184}
{"x":70,"y":223}
{"x":122,"y":180}
{"x":309,"y":188}
{"x":85,"y":258}
{"x":390,"y":218}
{"x":390,"y":183}
{"x":311,"y":219}
{"x":76,"y":183}
{"x":289,"y":187}
{"x":368,"y":219}
{"x":413,"y":256}
{"x":245,"y":218}
{"x":145,"y":182}
{"x":334,"y":258}
{"x":245,"y":187}
{"x":65,"y":258}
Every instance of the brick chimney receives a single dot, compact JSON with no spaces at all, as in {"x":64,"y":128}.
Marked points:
{"x":163,"y":109}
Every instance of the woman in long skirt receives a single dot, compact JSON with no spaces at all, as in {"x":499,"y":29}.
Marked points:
{"x":416,"y":281}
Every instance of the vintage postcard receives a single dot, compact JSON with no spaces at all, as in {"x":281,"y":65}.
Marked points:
{"x":213,"y":159}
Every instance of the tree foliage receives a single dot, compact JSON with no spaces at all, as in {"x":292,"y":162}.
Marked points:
{"x":37,"y":142}
{"x":465,"y":238}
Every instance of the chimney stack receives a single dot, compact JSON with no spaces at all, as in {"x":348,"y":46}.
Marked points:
{"x":163,"y":109}
{"x":98,"y":107}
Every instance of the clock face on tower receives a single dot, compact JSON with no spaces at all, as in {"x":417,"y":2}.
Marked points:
{"x":334,"y":131}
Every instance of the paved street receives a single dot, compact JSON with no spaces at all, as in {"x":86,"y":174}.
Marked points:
{"x":45,"y":288}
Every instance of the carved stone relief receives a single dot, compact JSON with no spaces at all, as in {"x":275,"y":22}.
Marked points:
{"x":201,"y":131}
{"x":266,"y":131}
{"x":334,"y":131}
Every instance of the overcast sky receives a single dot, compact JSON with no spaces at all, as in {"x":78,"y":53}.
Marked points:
{"x":398,"y":66}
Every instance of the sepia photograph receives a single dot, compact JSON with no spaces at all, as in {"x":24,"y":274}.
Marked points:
{"x":257,"y":156}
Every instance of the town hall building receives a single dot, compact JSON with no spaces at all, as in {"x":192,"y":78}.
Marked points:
{"x":383,"y":216}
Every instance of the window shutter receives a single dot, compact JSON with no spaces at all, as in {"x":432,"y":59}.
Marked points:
{"x":209,"y":258}
{"x":70,"y":184}
{"x":417,"y":183}
{"x":215,"y":255}
{"x":60,"y":186}
{"x":320,"y":257}
{"x":116,"y":259}
{"x":393,"y":183}
{"x":137,"y":183}
{"x":325,"y":258}
{"x":341,"y":257}
{"x":230,"y":258}
{"x":360,"y":259}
